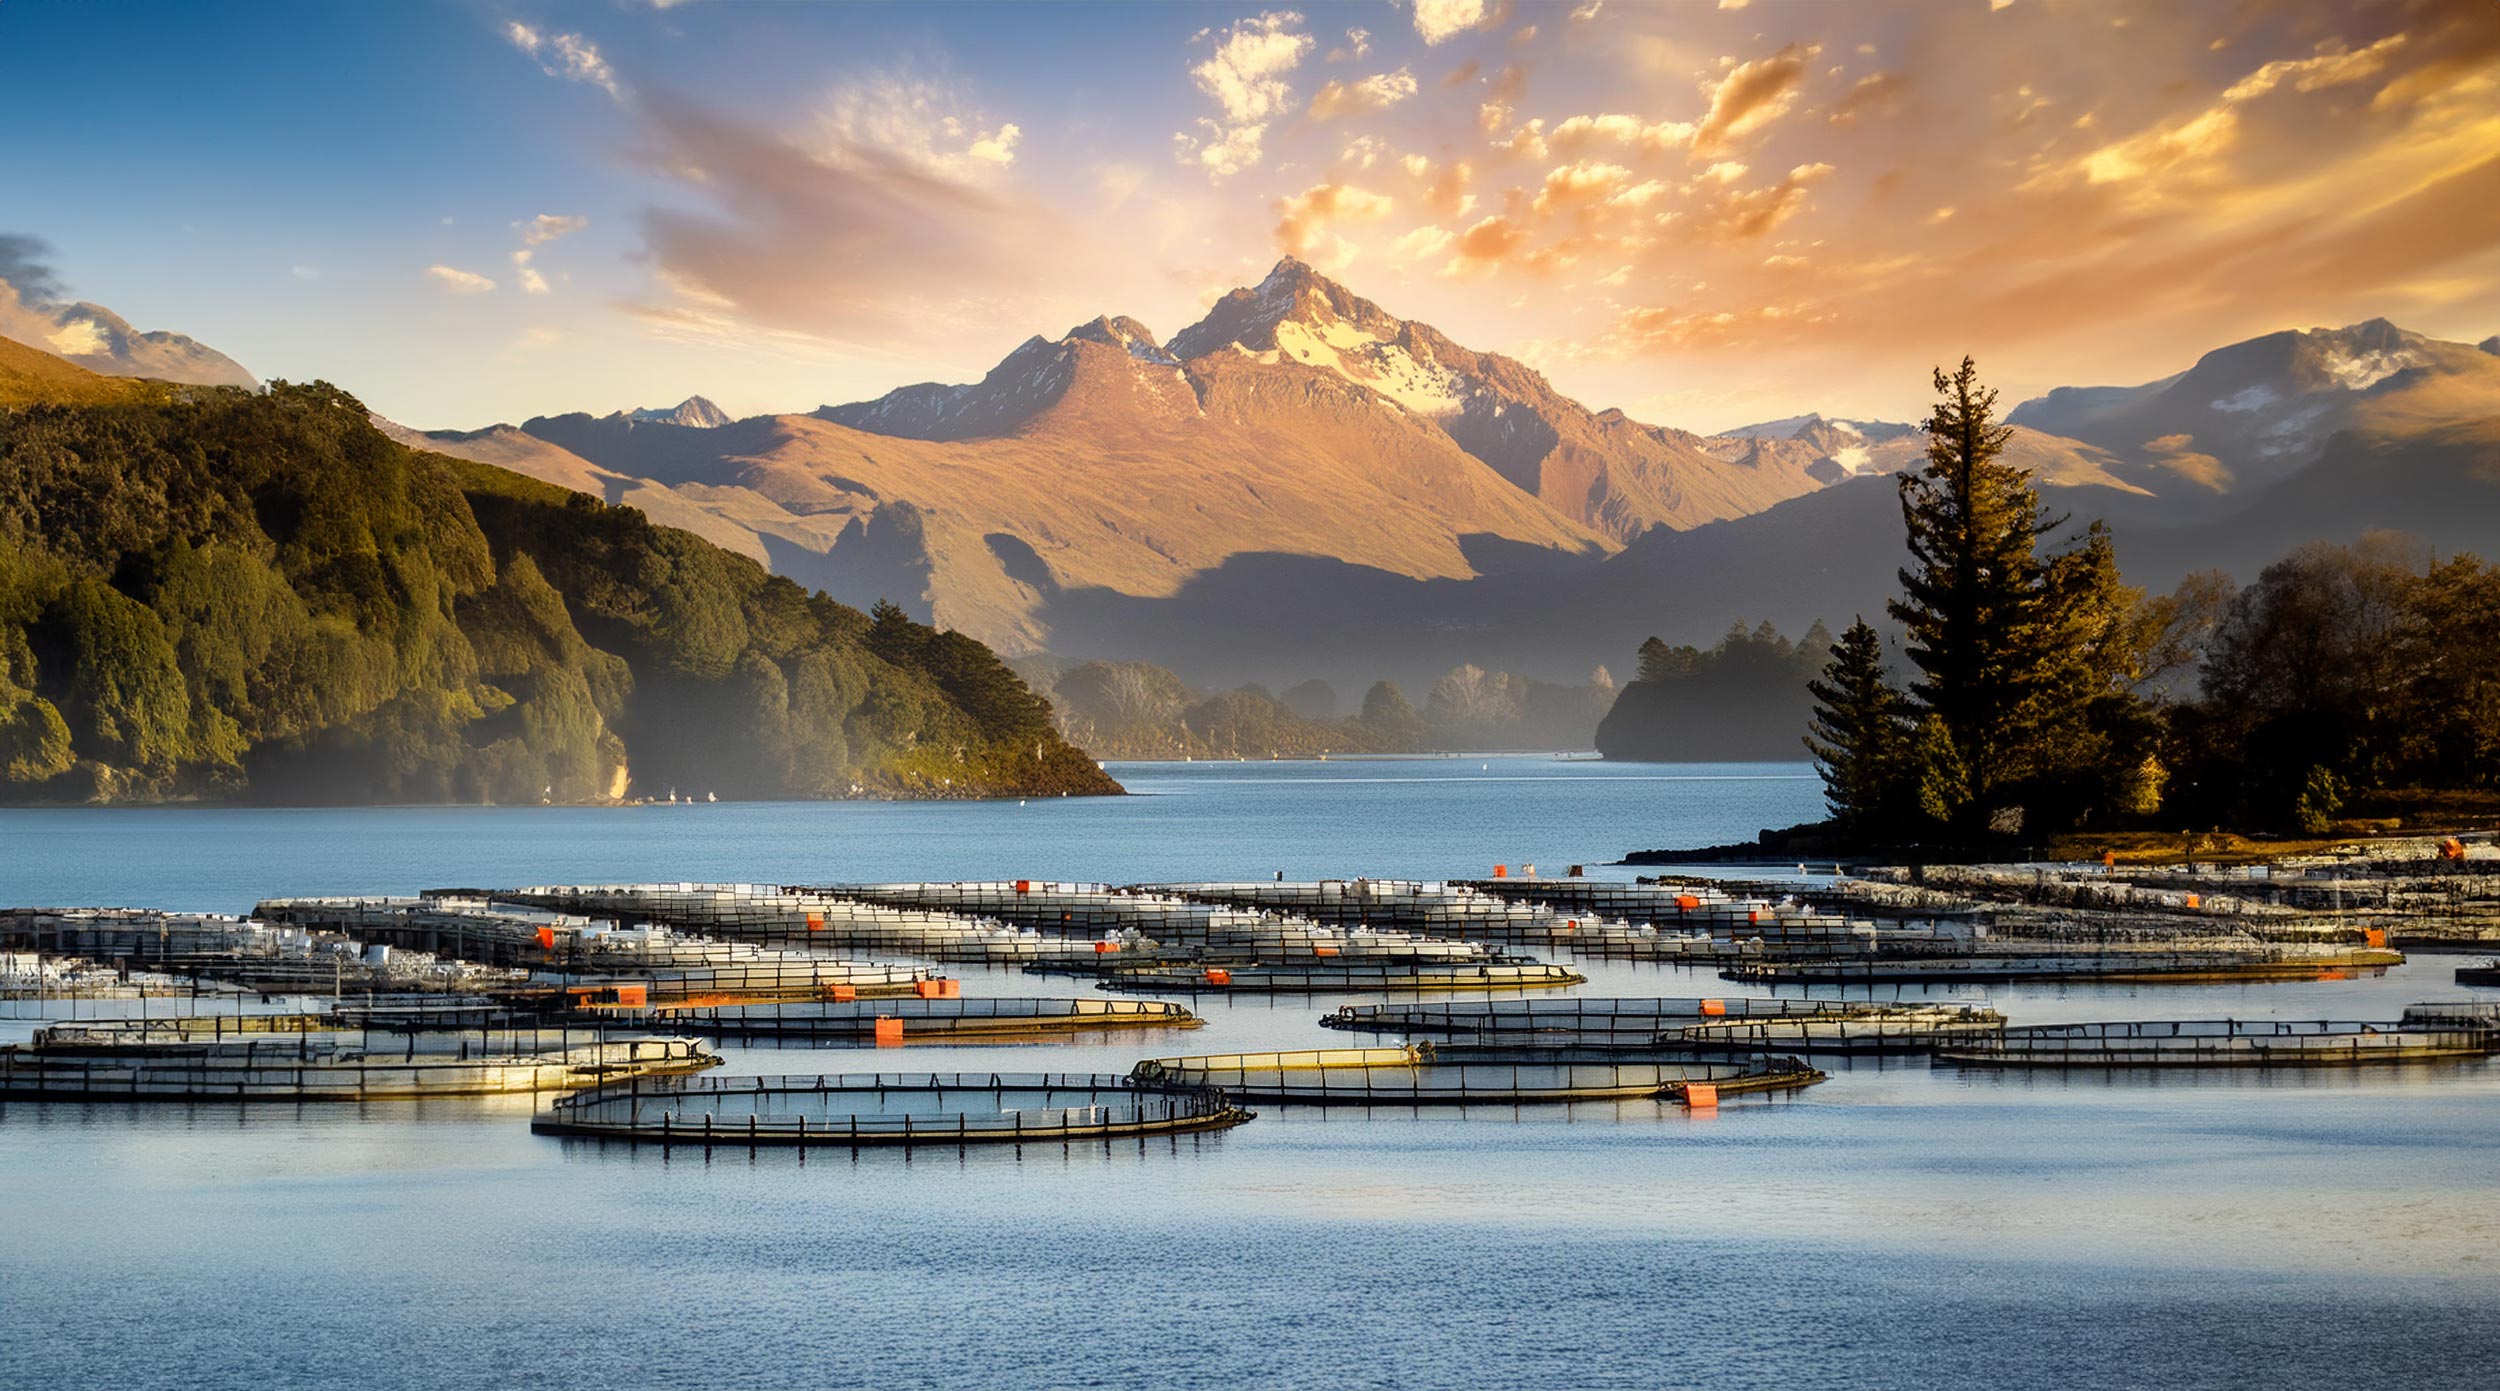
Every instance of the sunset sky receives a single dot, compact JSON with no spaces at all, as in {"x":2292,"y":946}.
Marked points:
{"x":1702,"y":213}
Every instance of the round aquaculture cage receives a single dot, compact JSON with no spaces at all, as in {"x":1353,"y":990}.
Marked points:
{"x":1351,"y":978}
{"x":889,"y":1109}
{"x":900,"y":1021}
{"x":1457,"y":1075}
{"x":2138,"y":1043}
{"x":186,"y":1061}
{"x":1750,"y":1024}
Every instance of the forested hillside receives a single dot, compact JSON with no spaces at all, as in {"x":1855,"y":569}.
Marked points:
{"x":212,"y":592}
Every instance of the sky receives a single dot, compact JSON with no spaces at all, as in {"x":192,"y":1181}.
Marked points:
{"x":1705,"y":213}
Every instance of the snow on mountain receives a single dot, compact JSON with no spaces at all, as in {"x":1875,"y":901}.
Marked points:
{"x":100,"y":340}
{"x":1597,"y":468}
{"x":695,"y":412}
{"x":2255,"y":412}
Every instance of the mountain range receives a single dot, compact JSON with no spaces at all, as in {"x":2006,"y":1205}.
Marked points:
{"x":1301,"y":484}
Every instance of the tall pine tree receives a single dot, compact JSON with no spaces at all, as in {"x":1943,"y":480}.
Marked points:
{"x":1859,"y":734}
{"x":1975,"y":609}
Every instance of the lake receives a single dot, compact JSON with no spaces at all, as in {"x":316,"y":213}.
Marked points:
{"x":1899,"y":1225}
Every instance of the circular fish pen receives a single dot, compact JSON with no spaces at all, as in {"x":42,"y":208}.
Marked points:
{"x":860,"y":1110}
{"x":153,"y":1062}
{"x":1642,"y":1021}
{"x":1454,"y":1075}
{"x":903,"y":1021}
{"x":2139,"y":1043}
{"x":2115,"y":967}
{"x":1353,"y":978}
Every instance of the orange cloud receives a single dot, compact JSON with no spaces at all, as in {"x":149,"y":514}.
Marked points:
{"x":1752,"y":96}
{"x":1303,"y":221}
{"x":1376,"y":93}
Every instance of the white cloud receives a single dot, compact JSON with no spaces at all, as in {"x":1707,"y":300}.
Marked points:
{"x":929,"y":125}
{"x":1358,"y":44}
{"x":1437,"y":20}
{"x":1422,"y":244}
{"x":547,"y":227}
{"x":1246,"y":73}
{"x":455,"y":281}
{"x":567,"y":56}
{"x":526,"y":275}
{"x":1630,"y":130}
{"x":1375,"y":93}
{"x":1223,"y":151}
{"x":1245,"y":77}
{"x":998,"y":147}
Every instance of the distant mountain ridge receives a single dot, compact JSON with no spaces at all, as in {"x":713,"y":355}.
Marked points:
{"x":1385,"y":490}
{"x":695,"y":412}
{"x":96,"y":338}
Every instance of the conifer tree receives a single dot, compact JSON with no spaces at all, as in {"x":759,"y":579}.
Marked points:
{"x":1975,"y":608}
{"x":1859,"y":735}
{"x":1657,"y":661}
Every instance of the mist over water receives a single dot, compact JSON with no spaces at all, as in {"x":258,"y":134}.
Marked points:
{"x":1390,"y":818}
{"x":1900,"y":1225}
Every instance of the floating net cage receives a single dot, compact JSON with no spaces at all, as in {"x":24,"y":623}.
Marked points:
{"x":2127,"y":966}
{"x":1731,"y":1024}
{"x":249,"y":953}
{"x":1426,"y":1074}
{"x":904,"y":1021}
{"x":1620,"y":919}
{"x":1350,"y":978}
{"x":677,"y":963}
{"x":793,"y":917}
{"x":2229,"y":1043}
{"x":889,"y":1109}
{"x":295,"y":1058}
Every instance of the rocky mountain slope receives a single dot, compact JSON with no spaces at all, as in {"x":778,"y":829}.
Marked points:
{"x":2252,"y":414}
{"x":695,"y":411}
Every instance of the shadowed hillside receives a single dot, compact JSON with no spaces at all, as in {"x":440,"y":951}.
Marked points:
{"x":215,"y":592}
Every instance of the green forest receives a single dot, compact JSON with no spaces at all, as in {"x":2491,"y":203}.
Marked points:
{"x":1140,"y":710}
{"x":219,"y":594}
{"x":2046,"y":696}
{"x":1742,"y":699}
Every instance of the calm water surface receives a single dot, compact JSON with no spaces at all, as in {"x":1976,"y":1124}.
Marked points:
{"x":1897,"y":1226}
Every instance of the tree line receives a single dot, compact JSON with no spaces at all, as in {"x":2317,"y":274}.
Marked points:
{"x":2043,"y":694}
{"x":1140,"y":710}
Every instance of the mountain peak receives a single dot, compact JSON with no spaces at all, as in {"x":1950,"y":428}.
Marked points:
{"x":1121,"y":331}
{"x":695,"y":412}
{"x":1294,"y":293}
